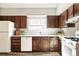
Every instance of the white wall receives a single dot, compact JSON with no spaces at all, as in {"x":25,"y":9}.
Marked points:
{"x":27,"y":11}
{"x":62,"y":7}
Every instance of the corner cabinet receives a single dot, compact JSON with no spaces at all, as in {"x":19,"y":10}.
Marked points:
{"x":62,"y":18}
{"x":52,"y":21}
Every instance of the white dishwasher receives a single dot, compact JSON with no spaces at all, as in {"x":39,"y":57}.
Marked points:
{"x":26,"y":43}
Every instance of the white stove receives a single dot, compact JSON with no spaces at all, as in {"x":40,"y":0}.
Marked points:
{"x":70,"y":46}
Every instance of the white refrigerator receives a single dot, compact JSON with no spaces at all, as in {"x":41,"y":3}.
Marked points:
{"x":6,"y":31}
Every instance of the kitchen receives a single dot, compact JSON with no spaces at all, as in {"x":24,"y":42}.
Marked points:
{"x":38,"y":29}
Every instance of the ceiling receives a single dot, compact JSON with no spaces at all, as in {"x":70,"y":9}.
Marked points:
{"x":24,"y":5}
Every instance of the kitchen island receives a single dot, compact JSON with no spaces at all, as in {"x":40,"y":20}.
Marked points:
{"x":35,"y":43}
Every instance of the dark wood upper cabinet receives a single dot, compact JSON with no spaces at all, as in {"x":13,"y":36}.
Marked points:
{"x":65,"y":15}
{"x":4,"y":18}
{"x":71,"y":12}
{"x":17,"y":21}
{"x":62,"y":18}
{"x":61,"y":21}
{"x":52,"y":22}
{"x":76,"y":9}
{"x":20,"y":21}
{"x":23,"y":21}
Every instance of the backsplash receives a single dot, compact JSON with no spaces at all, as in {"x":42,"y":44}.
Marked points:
{"x":52,"y":31}
{"x":69,"y":31}
{"x":48,"y":31}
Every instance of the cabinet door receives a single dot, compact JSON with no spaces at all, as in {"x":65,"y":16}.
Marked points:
{"x":76,"y":9}
{"x":65,"y":15}
{"x":3,"y":18}
{"x":57,"y":22}
{"x":54,"y":45}
{"x":23,"y":21}
{"x":15,"y":44}
{"x":61,"y":21}
{"x":52,"y":21}
{"x":70,"y":12}
{"x":36,"y":44}
{"x":59,"y":45}
{"x":17,"y":21}
{"x":44,"y":44}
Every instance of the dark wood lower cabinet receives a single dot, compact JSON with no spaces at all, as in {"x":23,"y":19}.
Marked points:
{"x":35,"y":44}
{"x":16,"y":44}
{"x":39,"y":44}
{"x":54,"y":44}
{"x":45,"y":44}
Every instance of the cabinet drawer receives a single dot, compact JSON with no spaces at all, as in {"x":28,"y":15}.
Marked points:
{"x":16,"y":44}
{"x":16,"y":40}
{"x":15,"y":48}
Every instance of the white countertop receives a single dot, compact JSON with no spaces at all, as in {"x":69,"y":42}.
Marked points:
{"x":35,"y":36}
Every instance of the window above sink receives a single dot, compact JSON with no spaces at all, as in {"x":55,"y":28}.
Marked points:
{"x":36,"y":24}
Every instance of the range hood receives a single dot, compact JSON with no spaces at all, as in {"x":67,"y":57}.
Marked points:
{"x":73,"y":20}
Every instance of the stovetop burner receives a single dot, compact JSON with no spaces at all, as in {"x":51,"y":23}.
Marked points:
{"x":73,"y":38}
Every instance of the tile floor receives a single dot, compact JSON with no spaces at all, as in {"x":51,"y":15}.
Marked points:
{"x":30,"y":54}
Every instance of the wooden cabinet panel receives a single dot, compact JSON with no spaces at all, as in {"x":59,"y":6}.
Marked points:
{"x":15,"y":44}
{"x":40,"y":44}
{"x":62,"y":18}
{"x":3,"y":18}
{"x":59,"y":46}
{"x":52,"y":21}
{"x":17,"y":21}
{"x":23,"y":21}
{"x":61,"y":21}
{"x":54,"y":45}
{"x":36,"y":44}
{"x":65,"y":15}
{"x":76,"y":9}
{"x":70,"y":12}
{"x":44,"y":44}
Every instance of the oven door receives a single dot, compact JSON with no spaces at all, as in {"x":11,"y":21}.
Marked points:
{"x":67,"y":48}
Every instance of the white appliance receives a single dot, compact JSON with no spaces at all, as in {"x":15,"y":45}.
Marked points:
{"x":70,"y":46}
{"x":26,"y":43}
{"x":6,"y":31}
